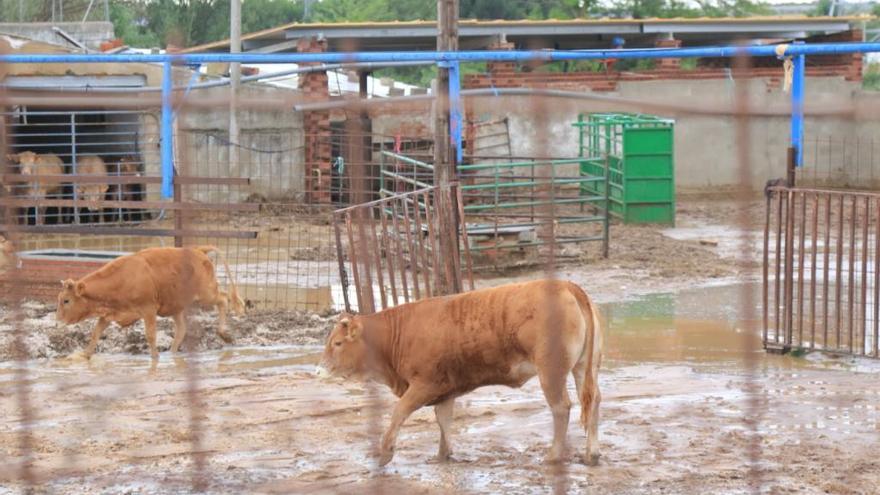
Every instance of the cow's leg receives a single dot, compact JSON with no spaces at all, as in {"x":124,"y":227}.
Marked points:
{"x":593,"y":435}
{"x":150,"y":329}
{"x":556,"y":393}
{"x":415,"y":397}
{"x":578,"y":372}
{"x":443,"y":412}
{"x":179,"y":331}
{"x":96,"y":335}
{"x":222,"y":302}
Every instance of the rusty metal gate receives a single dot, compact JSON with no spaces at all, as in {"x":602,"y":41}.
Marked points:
{"x":392,"y":248}
{"x":821,"y":286}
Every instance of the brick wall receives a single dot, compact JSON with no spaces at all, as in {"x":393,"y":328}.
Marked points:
{"x":316,"y":125}
{"x":505,"y":75}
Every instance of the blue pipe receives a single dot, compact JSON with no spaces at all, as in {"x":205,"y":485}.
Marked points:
{"x":455,"y":110}
{"x":462,"y":56}
{"x":797,"y":51}
{"x":797,"y":108}
{"x":166,"y":134}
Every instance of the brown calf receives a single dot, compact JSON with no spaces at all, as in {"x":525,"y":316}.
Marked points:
{"x":141,"y":286}
{"x":432,"y":351}
{"x":33,"y":164}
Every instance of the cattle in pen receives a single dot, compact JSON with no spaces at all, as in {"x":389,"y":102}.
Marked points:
{"x":432,"y":351}
{"x":34,"y":165}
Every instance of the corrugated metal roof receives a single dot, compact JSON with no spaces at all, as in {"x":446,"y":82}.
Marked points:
{"x":783,"y":22}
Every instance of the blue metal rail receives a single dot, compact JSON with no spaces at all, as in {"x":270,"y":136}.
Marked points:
{"x":797,"y":52}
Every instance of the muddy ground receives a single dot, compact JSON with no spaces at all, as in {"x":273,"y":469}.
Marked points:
{"x":675,"y":414}
{"x":675,"y":419}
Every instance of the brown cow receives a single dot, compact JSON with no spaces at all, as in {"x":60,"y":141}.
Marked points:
{"x":431,"y":351}
{"x":150,"y":283}
{"x":90,"y":165}
{"x":8,"y":259}
{"x":127,"y":166}
{"x":33,"y":164}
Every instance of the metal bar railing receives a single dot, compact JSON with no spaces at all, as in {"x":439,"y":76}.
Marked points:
{"x":820,"y":275}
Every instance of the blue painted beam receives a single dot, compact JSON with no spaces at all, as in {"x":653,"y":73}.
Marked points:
{"x":797,"y":108}
{"x":455,"y":110}
{"x":461,"y":56}
{"x":166,"y":133}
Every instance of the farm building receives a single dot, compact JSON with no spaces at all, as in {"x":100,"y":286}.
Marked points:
{"x":834,"y":80}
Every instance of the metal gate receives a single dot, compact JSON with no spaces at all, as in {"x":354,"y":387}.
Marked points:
{"x":821,"y":286}
{"x":392,"y":248}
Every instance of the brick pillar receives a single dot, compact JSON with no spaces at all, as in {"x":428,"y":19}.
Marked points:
{"x":668,"y":63}
{"x":316,"y":126}
{"x":854,"y":71}
{"x":501,"y":73}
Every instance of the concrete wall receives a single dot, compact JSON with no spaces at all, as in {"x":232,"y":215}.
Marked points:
{"x":705,"y":146}
{"x":271,"y":149}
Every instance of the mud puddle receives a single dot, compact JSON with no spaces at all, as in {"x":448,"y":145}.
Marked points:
{"x":676,"y":418}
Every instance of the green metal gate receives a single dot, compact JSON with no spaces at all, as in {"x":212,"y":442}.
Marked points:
{"x":638,"y":152}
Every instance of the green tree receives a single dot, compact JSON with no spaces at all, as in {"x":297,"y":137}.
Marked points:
{"x":130,"y":24}
{"x":257,"y":15}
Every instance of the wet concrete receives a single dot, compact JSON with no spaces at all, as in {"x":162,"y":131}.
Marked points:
{"x":675,"y":419}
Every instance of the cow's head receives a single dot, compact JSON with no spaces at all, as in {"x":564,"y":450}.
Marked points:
{"x":72,"y":305}
{"x":345,"y":353}
{"x":92,"y":192}
{"x":27,"y":161}
{"x":128,"y":165}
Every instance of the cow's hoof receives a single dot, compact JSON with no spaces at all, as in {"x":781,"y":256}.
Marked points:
{"x":554,"y":459}
{"x":385,"y":457}
{"x":441,"y":459}
{"x":226,"y":338}
{"x":592,"y":459}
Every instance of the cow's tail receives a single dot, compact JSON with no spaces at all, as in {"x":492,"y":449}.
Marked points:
{"x":593,"y":350}
{"x":236,"y":302}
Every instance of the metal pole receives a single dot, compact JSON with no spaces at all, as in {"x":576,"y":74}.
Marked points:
{"x":167,"y":134}
{"x":455,"y":110}
{"x":446,"y":56}
{"x":235,"y":78}
{"x":444,"y":153}
{"x":797,"y":109}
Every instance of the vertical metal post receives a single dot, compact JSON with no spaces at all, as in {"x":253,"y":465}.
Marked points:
{"x":797,"y":110}
{"x":365,"y":128}
{"x":73,"y":170}
{"x":455,"y":110}
{"x":166,"y":147}
{"x":235,"y":82}
{"x":444,"y":155}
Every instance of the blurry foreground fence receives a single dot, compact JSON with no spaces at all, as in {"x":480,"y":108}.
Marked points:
{"x":821,"y":283}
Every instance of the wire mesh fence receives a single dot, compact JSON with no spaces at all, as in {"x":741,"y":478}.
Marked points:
{"x":315,"y":218}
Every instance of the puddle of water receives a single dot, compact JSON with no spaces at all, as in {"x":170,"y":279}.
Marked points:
{"x":698,"y":326}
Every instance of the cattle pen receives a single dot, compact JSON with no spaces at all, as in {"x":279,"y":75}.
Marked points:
{"x":691,"y":399}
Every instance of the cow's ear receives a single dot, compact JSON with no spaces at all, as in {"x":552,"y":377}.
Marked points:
{"x":68,"y":284}
{"x":80,"y":288}
{"x":354,"y":330}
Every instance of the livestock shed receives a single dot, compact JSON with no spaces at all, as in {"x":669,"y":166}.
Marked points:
{"x":835,"y":82}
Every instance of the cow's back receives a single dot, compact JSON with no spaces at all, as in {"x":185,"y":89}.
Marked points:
{"x":166,"y":279}
{"x":91,"y":165}
{"x":487,"y":336}
{"x":180,"y":276}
